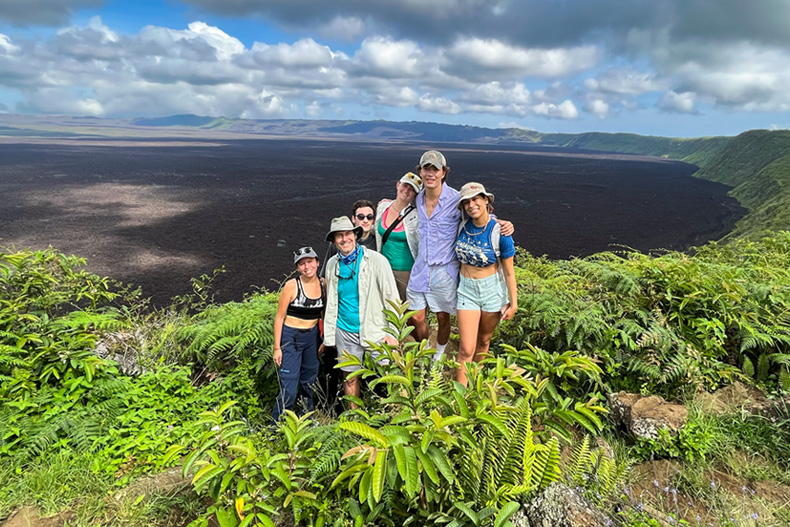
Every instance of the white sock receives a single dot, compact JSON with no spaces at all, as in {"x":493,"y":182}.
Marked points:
{"x":439,"y":351}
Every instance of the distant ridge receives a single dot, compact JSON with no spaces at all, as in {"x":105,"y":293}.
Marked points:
{"x":187,"y":120}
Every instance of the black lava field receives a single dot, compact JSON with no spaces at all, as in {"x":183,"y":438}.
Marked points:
{"x":156,"y":213}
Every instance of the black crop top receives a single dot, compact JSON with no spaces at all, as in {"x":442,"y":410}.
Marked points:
{"x":305,"y":307}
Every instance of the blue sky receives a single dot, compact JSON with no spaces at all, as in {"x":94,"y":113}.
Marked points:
{"x":682,"y":68}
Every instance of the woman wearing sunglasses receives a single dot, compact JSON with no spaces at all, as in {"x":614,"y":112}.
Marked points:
{"x":397,"y":235}
{"x":297,"y":336}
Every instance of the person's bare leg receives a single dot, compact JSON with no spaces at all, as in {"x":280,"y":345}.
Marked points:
{"x":488,"y":323}
{"x":468,"y":325}
{"x":351,"y":387}
{"x":421,"y":329}
{"x":443,"y":331}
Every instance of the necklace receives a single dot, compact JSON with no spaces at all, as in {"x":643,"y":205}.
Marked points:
{"x":466,"y":229}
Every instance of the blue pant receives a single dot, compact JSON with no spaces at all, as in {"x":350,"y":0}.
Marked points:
{"x":299,"y":367}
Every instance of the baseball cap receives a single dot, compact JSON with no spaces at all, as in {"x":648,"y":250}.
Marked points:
{"x":410,"y":178}
{"x":304,"y":252}
{"x":433,"y":157}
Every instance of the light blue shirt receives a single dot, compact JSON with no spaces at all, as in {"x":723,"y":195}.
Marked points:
{"x":437,"y":238}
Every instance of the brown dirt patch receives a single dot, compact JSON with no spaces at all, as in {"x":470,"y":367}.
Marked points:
{"x":28,"y":517}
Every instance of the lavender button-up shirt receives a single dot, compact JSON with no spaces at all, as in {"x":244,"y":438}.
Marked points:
{"x":437,"y":238}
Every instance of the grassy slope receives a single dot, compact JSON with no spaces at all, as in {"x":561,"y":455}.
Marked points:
{"x":757,"y":165}
{"x":696,"y":150}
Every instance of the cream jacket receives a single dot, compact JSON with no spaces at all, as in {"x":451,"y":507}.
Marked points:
{"x":376,"y":285}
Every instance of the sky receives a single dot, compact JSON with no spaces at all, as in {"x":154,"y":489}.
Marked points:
{"x":682,"y":68}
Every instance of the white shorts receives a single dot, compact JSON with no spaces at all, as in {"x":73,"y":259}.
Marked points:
{"x":442,"y":297}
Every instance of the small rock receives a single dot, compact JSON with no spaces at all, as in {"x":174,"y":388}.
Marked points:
{"x":560,"y":506}
{"x":740,"y":397}
{"x":644,"y":416}
{"x":281,"y":243}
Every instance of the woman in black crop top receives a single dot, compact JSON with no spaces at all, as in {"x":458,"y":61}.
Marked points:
{"x":297,"y":336}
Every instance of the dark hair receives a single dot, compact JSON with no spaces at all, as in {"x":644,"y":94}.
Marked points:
{"x":361,"y":203}
{"x":445,"y":169}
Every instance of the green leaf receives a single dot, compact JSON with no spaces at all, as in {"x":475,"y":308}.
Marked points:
{"x":400,"y":459}
{"x":439,"y":459}
{"x":391,"y":379}
{"x":412,"y":478}
{"x":226,"y":517}
{"x":365,"y":484}
{"x":463,"y":507}
{"x":784,"y":379}
{"x":505,"y":514}
{"x":427,"y":465}
{"x":493,"y":421}
{"x":379,"y":475}
{"x":368,"y":432}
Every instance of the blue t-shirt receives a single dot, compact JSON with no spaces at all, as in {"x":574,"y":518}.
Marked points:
{"x":474,"y":247}
{"x":348,"y":294}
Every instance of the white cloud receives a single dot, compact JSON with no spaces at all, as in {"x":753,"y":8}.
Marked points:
{"x":383,"y":57}
{"x":313,"y":109}
{"x":625,"y":82}
{"x":305,"y":53}
{"x":100,"y":70}
{"x":476,"y":58}
{"x":438,"y":105}
{"x":198,"y":39}
{"x":565,"y":110}
{"x":394,"y":96}
{"x":6,"y":46}
{"x":677,"y":102}
{"x":498,"y":93}
{"x":598,"y":107}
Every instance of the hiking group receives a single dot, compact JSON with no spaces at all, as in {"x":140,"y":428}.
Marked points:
{"x":432,"y":246}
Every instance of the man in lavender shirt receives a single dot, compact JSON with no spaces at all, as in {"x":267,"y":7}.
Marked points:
{"x":434,"y":277}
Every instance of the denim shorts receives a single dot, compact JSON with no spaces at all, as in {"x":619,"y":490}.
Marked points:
{"x":442,"y":295}
{"x":487,"y":294}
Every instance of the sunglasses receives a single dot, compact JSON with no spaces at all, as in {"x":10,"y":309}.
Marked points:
{"x":369,"y":217}
{"x":339,"y":277}
{"x":411,"y":176}
{"x":303,"y":250}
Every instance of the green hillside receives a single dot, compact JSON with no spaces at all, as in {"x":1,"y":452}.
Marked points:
{"x":757,"y":165}
{"x":694,"y":150}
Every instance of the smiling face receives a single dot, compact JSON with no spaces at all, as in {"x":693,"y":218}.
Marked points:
{"x":406,"y":192}
{"x":477,"y":206}
{"x":307,"y":267}
{"x":363,"y":217}
{"x":345,"y":241}
{"x":431,"y":176}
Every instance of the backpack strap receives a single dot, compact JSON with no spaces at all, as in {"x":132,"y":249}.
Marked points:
{"x":405,"y":212}
{"x":496,"y":233}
